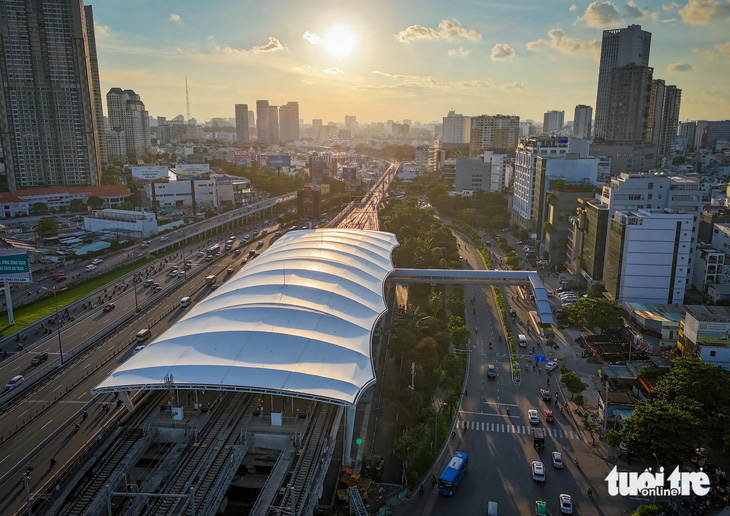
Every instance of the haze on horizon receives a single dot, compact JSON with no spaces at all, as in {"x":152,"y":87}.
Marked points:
{"x":384,"y":60}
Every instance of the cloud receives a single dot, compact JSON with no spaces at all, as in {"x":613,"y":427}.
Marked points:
{"x":102,"y":31}
{"x":271,"y":46}
{"x":564,"y":44}
{"x":175,"y":18}
{"x":573,"y":8}
{"x":701,"y":12}
{"x":669,"y":20}
{"x":670,"y":7}
{"x":636,"y":12}
{"x":601,"y":14}
{"x":447,"y":30}
{"x":311,"y":37}
{"x":502,"y":51}
{"x":513,"y":86}
{"x":680,"y":67}
{"x":707,"y":54}
{"x":461,"y":52}
{"x":332,"y":71}
{"x":723,"y":48}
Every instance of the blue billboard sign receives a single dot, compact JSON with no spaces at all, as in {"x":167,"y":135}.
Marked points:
{"x":279,"y":161}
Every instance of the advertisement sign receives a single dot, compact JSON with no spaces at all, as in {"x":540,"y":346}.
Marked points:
{"x":706,"y":332}
{"x":191,"y":170}
{"x":349,"y":173}
{"x":14,"y":266}
{"x":150,"y":173}
{"x":279,"y":161}
{"x":322,"y":168}
{"x":242,"y":158}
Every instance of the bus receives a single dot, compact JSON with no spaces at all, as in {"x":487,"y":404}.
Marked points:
{"x":214,"y":249}
{"x":454,"y":473}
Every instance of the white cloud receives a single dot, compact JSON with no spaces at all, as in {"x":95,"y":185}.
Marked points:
{"x":573,"y":8}
{"x":332,"y":71}
{"x":311,"y":37}
{"x":701,"y":12}
{"x":707,"y":54}
{"x":175,"y":17}
{"x":272,"y":45}
{"x":723,"y":48}
{"x":502,"y":51}
{"x":601,"y":14}
{"x":680,"y":67}
{"x":564,"y":44}
{"x":636,"y":12}
{"x":102,"y":31}
{"x":458,"y":52}
{"x":447,"y":29}
{"x":669,"y":20}
{"x":670,"y":7}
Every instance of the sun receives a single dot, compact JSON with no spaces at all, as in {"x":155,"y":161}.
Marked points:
{"x":339,"y":41}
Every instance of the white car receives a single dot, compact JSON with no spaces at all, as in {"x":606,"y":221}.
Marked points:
{"x":566,"y":504}
{"x":551,"y":365}
{"x":163,"y":239}
{"x":96,"y":261}
{"x":557,"y":460}
{"x":542,"y":263}
{"x":570,"y":293}
{"x":538,"y":471}
{"x":532,"y":417}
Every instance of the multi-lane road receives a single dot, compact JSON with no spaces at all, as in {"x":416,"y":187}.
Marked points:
{"x":500,"y":445}
{"x":56,"y":406}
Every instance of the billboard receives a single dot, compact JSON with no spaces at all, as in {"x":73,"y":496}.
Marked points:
{"x":279,"y":161}
{"x":14,"y":266}
{"x":242,"y":158}
{"x":707,"y":332}
{"x":191,"y":170}
{"x":150,"y":173}
{"x":349,"y":173}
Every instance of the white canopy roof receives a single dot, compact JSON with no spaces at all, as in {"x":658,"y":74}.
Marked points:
{"x":296,"y":321}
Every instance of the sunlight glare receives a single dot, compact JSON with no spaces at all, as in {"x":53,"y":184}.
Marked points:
{"x":339,"y":41}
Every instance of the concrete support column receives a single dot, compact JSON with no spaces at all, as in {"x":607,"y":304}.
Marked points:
{"x":349,"y":427}
{"x":125,"y":400}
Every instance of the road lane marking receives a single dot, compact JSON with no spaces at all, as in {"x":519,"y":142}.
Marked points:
{"x":51,"y":421}
{"x":26,"y":410}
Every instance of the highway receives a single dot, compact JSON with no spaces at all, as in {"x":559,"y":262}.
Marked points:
{"x":500,"y":446}
{"x":57,"y":404}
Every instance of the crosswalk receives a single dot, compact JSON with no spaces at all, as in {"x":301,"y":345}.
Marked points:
{"x":506,"y":428}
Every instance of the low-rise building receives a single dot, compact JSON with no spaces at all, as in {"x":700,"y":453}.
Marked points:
{"x":20,"y":202}
{"x":128,"y":224}
{"x":707,"y":336}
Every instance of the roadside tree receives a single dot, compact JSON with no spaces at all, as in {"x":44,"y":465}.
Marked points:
{"x":595,"y":313}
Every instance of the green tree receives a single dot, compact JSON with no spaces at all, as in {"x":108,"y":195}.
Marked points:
{"x":572,"y":382}
{"x":404,"y":341}
{"x":596,"y":291}
{"x":595,"y":313}
{"x":94,"y":202}
{"x":406,"y":446}
{"x":659,"y":427}
{"x":460,"y":335}
{"x":47,"y":226}
{"x":77,"y":205}
{"x":40,"y":208}
{"x":590,"y":427}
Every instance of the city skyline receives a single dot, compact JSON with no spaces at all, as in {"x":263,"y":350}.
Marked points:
{"x":383,"y":61}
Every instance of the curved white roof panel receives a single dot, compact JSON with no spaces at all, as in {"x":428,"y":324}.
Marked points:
{"x":296,"y":321}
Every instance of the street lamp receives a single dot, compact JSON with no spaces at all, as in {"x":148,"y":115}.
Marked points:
{"x":26,"y":484}
{"x":58,"y":321}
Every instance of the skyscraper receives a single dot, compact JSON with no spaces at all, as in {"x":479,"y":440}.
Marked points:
{"x":262,"y":122}
{"x":127,"y":112}
{"x":274,"y":125}
{"x":242,"y":123}
{"x":455,"y":129}
{"x":670,"y":119}
{"x":351,"y":123}
{"x":553,"y":122}
{"x":48,"y":120}
{"x":629,"y":103}
{"x":289,"y":122}
{"x":620,"y":47}
{"x":498,"y":133}
{"x":94,"y":62}
{"x":582,"y":121}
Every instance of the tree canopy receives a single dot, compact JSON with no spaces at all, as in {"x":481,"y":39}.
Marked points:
{"x":95,"y":202}
{"x":77,"y":205}
{"x":595,"y":313}
{"x":40,"y":208}
{"x":47,"y":226}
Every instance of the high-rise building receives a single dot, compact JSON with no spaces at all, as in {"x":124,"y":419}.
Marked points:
{"x":498,"y":133}
{"x":670,"y":120}
{"x":127,"y":112}
{"x":687,"y":131}
{"x":48,"y":119}
{"x":553,"y":122}
{"x":629,"y":104}
{"x":274,"y":135}
{"x":619,"y":48}
{"x":351,"y":123}
{"x":262,"y":122}
{"x":655,"y":111}
{"x":455,"y":129}
{"x":94,"y":63}
{"x":242,"y":123}
{"x":582,"y":121}
{"x":289,"y":122}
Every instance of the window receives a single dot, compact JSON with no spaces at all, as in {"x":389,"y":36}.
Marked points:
{"x":651,"y":186}
{"x":713,"y":353}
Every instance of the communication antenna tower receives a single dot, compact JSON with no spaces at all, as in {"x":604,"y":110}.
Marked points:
{"x":187,"y":98}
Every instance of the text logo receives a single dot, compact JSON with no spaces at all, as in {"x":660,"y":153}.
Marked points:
{"x":631,"y":483}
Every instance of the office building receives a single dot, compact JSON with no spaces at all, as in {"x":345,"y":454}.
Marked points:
{"x":308,"y":202}
{"x":670,"y":120}
{"x":655,"y":112}
{"x":455,"y":130}
{"x":619,"y":48}
{"x":471,"y":174}
{"x":688,"y":132}
{"x":263,"y":130}
{"x":498,"y":133}
{"x":648,"y":259}
{"x":242,"y":123}
{"x":127,"y":112}
{"x":351,"y":123}
{"x":94,"y":64}
{"x":629,"y":157}
{"x":553,"y":122}
{"x":582,"y":120}
{"x":289,"y":122}
{"x":629,"y":104}
{"x":711,"y":132}
{"x":48,"y":119}
{"x":126,"y":223}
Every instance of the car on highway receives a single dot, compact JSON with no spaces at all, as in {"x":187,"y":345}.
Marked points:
{"x":260,"y":244}
{"x":491,"y":372}
{"x":243,"y":262}
{"x":549,"y":415}
{"x":90,"y":267}
{"x":15,"y":381}
{"x":157,"y":289}
{"x":163,"y":239}
{"x":138,"y":349}
{"x":532,"y":417}
{"x":96,"y":261}
{"x":513,"y":312}
{"x":236,"y":252}
{"x":148,"y":283}
{"x":109,"y":307}
{"x":566,"y":504}
{"x":59,"y":277}
{"x":213,"y":286}
{"x":557,"y":458}
{"x":40,"y":357}
{"x":200,"y":254}
{"x":541,"y":508}
{"x":230,"y":270}
{"x":551,"y":365}
{"x":538,"y":471}
{"x":545,"y":394}
{"x":173,"y":274}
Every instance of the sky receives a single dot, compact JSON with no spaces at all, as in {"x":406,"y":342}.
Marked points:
{"x":401,"y":59}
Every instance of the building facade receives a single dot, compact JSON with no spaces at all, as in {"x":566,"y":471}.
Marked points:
{"x":582,"y":120}
{"x":134,"y":224}
{"x":629,"y":103}
{"x":619,"y":47}
{"x":94,"y":64}
{"x":498,"y":133}
{"x":289,"y":122}
{"x":472,"y":174}
{"x":127,"y":112}
{"x":48,"y":119}
{"x":553,"y":122}
{"x":242,"y":123}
